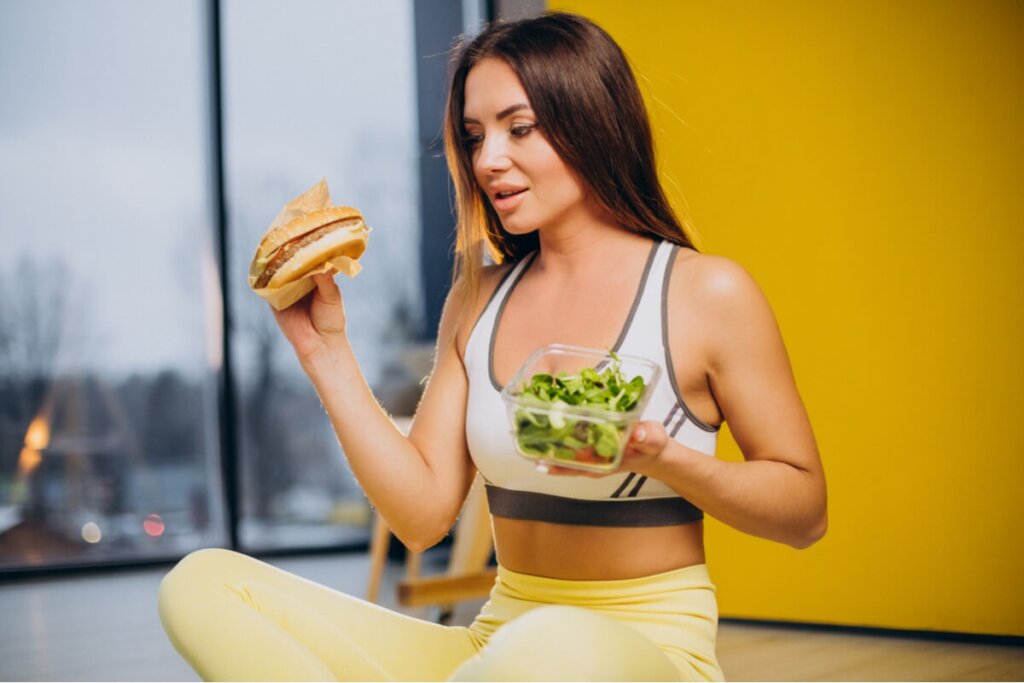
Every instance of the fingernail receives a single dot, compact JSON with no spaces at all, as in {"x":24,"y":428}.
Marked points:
{"x":641,"y":435}
{"x":542,"y":468}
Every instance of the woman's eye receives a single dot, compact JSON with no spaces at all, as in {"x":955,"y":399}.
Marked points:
{"x":522,"y":131}
{"x":472,"y":141}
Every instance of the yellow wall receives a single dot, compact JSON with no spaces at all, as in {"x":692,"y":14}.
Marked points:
{"x":865,"y":161}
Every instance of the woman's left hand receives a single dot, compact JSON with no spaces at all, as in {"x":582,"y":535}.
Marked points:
{"x":645,"y":445}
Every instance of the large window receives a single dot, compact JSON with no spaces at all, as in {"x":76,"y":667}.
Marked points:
{"x":136,"y":140}
{"x":109,"y":331}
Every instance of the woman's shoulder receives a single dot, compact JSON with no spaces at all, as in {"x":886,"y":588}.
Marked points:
{"x":710,"y":280}
{"x":491,"y":277}
{"x":719,"y":301}
{"x":475,"y":299}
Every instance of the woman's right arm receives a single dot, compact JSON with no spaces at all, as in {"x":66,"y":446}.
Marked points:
{"x":417,"y":483}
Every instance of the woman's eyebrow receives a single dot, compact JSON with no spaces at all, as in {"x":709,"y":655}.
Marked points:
{"x":511,"y":110}
{"x":501,"y":114}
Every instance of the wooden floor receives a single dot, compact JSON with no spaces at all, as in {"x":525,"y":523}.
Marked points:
{"x":749,"y":653}
{"x":104,"y":627}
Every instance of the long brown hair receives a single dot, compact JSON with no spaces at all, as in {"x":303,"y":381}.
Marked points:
{"x":589,"y":109}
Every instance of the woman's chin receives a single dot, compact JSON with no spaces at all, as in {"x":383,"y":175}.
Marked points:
{"x":517,"y":228}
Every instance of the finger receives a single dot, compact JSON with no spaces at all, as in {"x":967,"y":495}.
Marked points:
{"x":648,"y":438}
{"x":327,"y":289}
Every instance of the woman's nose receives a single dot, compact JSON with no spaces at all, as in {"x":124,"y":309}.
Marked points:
{"x":493,"y":155}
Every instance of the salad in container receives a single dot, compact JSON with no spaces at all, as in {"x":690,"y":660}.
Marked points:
{"x":576,"y":407}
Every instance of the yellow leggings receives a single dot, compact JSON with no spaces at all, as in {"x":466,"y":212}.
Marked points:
{"x":235,"y":618}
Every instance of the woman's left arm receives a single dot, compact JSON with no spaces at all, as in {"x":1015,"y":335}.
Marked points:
{"x":778,"y":491}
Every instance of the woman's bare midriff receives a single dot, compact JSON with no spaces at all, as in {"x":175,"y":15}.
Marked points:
{"x":582,"y":553}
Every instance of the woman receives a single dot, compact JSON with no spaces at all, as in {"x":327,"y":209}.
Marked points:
{"x":600,"y":577}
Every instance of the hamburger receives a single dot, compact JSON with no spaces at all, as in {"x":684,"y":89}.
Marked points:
{"x":314,"y":242}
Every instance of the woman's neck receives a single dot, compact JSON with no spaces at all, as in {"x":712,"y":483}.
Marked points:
{"x":576,"y":250}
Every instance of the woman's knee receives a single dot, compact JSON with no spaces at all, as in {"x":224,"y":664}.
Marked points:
{"x":193,"y":572}
{"x":197,"y":564}
{"x":568,"y":643}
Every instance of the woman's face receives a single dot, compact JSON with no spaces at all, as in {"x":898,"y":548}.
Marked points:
{"x":528,"y":184}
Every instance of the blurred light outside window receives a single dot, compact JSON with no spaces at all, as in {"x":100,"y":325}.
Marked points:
{"x":109,"y":299}
{"x":319,"y":89}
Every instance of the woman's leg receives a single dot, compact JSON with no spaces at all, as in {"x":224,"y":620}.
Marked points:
{"x":557,"y":643}
{"x":235,"y":618}
{"x":648,"y":628}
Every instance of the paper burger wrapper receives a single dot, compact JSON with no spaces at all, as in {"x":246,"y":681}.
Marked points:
{"x":284,"y":296}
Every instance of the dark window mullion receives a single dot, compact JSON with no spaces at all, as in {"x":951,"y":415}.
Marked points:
{"x":226,"y":385}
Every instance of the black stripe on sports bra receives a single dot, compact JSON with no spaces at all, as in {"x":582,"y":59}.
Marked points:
{"x":617,"y":512}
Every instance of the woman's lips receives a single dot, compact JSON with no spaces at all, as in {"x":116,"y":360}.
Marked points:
{"x":506,"y":201}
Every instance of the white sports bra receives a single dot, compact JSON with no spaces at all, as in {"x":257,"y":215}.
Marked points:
{"x":515,"y":489}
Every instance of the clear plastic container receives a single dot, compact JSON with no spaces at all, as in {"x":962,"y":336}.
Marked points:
{"x":580,"y":436}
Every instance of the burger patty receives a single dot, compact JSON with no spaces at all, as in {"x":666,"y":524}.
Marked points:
{"x":286,"y":251}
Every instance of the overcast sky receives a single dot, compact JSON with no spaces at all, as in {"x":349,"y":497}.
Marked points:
{"x":104,"y":157}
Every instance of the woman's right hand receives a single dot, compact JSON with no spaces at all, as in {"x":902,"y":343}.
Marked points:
{"x":316,"y":321}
